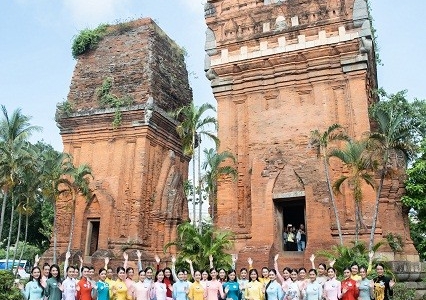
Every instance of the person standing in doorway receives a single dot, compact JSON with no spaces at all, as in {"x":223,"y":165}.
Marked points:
{"x":301,"y":238}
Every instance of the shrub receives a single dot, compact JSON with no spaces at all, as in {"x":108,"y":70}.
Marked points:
{"x":8,"y":290}
{"x":402,"y":292}
{"x":88,"y":39}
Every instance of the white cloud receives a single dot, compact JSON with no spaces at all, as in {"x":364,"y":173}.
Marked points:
{"x":90,"y":13}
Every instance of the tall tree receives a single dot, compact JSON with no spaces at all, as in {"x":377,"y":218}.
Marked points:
{"x":15,"y":130}
{"x":214,"y":169}
{"x":18,"y":158}
{"x":192,"y":127}
{"x":79,"y":180}
{"x":393,"y":136}
{"x":359,"y":165}
{"x":54,"y":163}
{"x":321,"y":141}
{"x":61,"y":178}
{"x":415,"y":199}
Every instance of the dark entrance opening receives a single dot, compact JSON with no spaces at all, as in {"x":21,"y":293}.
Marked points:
{"x":92,"y":237}
{"x":291,"y":212}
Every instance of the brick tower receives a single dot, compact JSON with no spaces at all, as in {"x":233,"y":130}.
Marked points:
{"x":278,"y":70}
{"x":138,"y":164}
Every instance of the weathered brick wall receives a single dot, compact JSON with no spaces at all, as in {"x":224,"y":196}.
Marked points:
{"x":138,"y":167}
{"x":142,"y":60}
{"x":279,"y":71}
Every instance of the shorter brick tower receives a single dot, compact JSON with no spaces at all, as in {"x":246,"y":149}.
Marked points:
{"x":138,"y":164}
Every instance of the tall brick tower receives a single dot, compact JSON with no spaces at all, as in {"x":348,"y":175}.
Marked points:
{"x":278,"y":70}
{"x":138,"y":164}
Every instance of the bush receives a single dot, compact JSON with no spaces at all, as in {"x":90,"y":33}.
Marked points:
{"x":88,"y":39}
{"x":402,"y":292}
{"x":8,"y":291}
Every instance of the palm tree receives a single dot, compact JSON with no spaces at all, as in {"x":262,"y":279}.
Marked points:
{"x":197,"y":247}
{"x":14,"y":131}
{"x":61,"y":178}
{"x":393,"y":135}
{"x":359,"y":165}
{"x":321,"y":141}
{"x":54,"y":164}
{"x":18,"y":158}
{"x":191,"y":128}
{"x":214,"y":170}
{"x":80,"y":179}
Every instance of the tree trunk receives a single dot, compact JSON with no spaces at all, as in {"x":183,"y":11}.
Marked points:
{"x":17,"y":238}
{"x":200,"y":199}
{"x":55,"y":232}
{"x":74,"y":196}
{"x":3,"y":211}
{"x":376,"y":208}
{"x":211,"y":201}
{"x":25,"y":240}
{"x":10,"y":229}
{"x":333,"y":201}
{"x":356,"y":221}
{"x":194,"y":193}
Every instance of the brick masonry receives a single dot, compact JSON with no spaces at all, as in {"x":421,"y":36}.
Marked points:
{"x":138,"y":167}
{"x":278,"y":70}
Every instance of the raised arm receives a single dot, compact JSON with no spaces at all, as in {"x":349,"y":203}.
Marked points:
{"x":250,"y":262}
{"x":157,"y":260}
{"x":191,"y":268}
{"x":280,"y":278}
{"x":211,"y":261}
{"x":139,"y":255}
{"x":80,"y":271}
{"x":66,"y":263}
{"x":36,"y":260}
{"x":312,"y":259}
{"x":106,"y":261}
{"x":126,"y":258}
{"x":234,"y":261}
{"x":175,"y":278}
{"x":370,"y":262}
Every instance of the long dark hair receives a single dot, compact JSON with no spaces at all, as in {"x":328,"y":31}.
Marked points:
{"x":253,"y":271}
{"x":36,"y":279}
{"x":170,"y":278}
{"x":156,"y":274}
{"x":58,"y":278}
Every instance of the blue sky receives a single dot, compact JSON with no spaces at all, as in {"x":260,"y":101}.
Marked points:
{"x":36,"y":63}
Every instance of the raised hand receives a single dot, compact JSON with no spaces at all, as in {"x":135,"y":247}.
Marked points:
{"x":157,"y":259}
{"x":188,"y":261}
{"x":250,"y":261}
{"x":312,"y":258}
{"x":210,"y":258}
{"x":332,"y":262}
{"x":67,"y":255}
{"x":391,"y":283}
{"x":276,"y":257}
{"x":80,"y":259}
{"x":370,"y":255}
{"x":106,"y":260}
{"x":36,"y":259}
{"x":126,"y":256}
{"x":138,"y":254}
{"x":173,"y":259}
{"x":234,"y":258}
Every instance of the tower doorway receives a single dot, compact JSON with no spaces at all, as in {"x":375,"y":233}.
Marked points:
{"x":92,"y":236}
{"x":291,"y":215}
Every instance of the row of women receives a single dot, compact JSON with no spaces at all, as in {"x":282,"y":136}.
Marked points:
{"x":167,"y":284}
